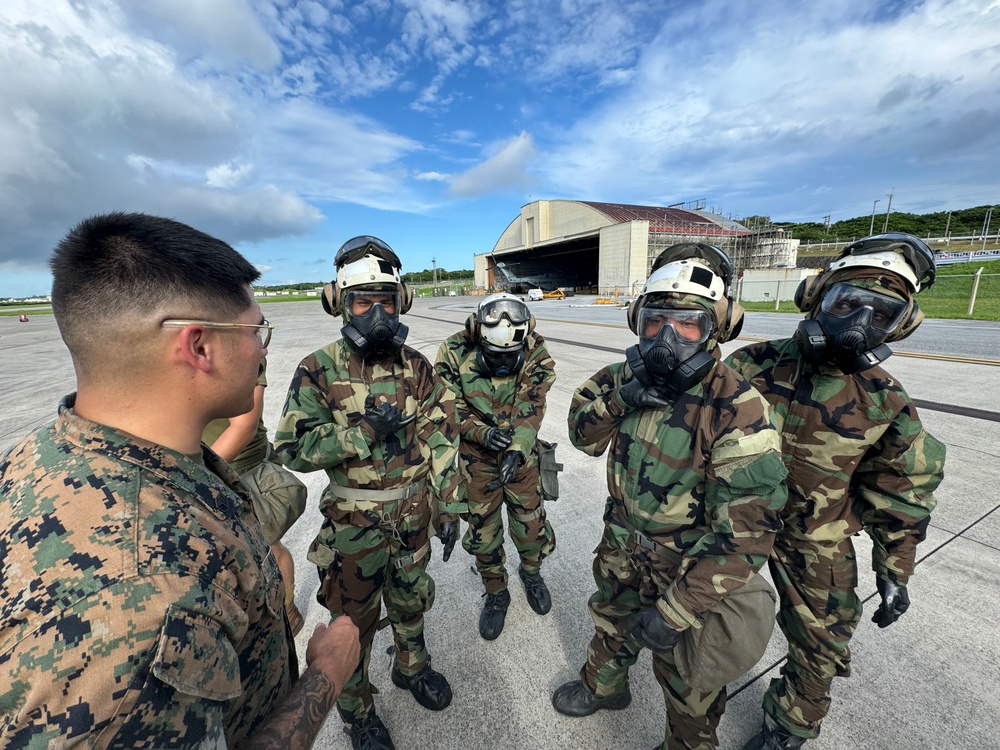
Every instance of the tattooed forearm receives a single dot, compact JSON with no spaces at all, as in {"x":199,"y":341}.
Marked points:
{"x":296,"y":723}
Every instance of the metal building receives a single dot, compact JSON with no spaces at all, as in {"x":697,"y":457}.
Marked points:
{"x":610,"y":246}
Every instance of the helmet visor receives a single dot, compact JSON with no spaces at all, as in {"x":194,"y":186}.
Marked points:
{"x":843,"y":300}
{"x":358,"y":247}
{"x":690,"y":325}
{"x":491,"y":313}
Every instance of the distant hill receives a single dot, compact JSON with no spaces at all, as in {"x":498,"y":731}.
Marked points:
{"x":964,"y":221}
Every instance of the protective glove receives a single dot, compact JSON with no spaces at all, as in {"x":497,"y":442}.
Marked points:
{"x":649,"y":628}
{"x":641,"y":396}
{"x":385,"y":418}
{"x":895,"y":601}
{"x":448,"y":534}
{"x":496,"y":439}
{"x":508,"y":466}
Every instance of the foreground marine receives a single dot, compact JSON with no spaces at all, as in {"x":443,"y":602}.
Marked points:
{"x":370,"y":412}
{"x":857,"y":457}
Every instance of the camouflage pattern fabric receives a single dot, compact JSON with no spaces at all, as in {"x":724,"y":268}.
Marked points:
{"x":360,"y":540}
{"x":140,"y":605}
{"x":702,"y":477}
{"x":857,"y":458}
{"x":515,"y":403}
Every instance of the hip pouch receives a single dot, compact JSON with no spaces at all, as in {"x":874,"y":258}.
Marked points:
{"x":548,"y":470}
{"x":732,"y":639}
{"x":278,"y":497}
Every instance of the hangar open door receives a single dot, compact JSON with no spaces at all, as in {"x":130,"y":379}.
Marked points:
{"x":569,"y":264}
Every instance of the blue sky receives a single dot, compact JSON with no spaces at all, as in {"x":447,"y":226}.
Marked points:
{"x":288,"y":126}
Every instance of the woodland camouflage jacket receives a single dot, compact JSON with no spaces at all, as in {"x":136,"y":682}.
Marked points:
{"x":322,"y":426}
{"x":515,"y":402}
{"x":703,"y":477}
{"x":856,"y":452}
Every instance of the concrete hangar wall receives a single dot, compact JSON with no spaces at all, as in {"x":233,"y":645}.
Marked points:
{"x":563,"y":243}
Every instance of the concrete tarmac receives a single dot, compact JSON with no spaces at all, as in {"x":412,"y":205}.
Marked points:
{"x":929,"y":681}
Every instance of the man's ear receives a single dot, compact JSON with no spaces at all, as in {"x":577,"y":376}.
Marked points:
{"x":195,"y":347}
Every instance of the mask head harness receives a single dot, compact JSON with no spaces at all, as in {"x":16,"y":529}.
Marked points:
{"x":863,"y":300}
{"x":683,"y":311}
{"x":500,"y":326}
{"x":368,"y":279}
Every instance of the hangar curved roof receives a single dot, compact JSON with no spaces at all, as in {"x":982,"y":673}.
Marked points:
{"x":661,"y":217}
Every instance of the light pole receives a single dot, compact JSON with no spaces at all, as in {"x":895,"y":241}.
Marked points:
{"x":871,"y":227}
{"x":986,"y":226}
{"x":888,"y":208}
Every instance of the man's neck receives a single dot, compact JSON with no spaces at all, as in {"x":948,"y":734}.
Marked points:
{"x":149,"y":416}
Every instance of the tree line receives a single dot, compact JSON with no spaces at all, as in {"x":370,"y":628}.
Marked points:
{"x":964,"y":221}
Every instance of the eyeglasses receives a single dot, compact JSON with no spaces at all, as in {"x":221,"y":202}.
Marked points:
{"x":263,"y":331}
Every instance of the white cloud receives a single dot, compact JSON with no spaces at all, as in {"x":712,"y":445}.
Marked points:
{"x":800,"y":85}
{"x":507,"y":168}
{"x":431,"y":177}
{"x":228,"y":175}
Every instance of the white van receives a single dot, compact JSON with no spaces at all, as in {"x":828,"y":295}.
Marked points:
{"x":534,"y":295}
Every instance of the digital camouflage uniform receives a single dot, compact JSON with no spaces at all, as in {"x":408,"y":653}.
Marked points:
{"x":140,"y":606}
{"x":515,"y":403}
{"x":366,"y":550}
{"x":702,"y":477}
{"x":857,"y":458}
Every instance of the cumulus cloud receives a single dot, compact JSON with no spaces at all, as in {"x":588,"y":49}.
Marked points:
{"x":873,"y":100}
{"x":505,"y":169}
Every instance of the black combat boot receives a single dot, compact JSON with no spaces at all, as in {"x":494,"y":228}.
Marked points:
{"x":536,"y":592}
{"x":430,"y":688}
{"x":494,"y":613}
{"x":370,"y":734}
{"x":576,"y":699}
{"x":773,"y":736}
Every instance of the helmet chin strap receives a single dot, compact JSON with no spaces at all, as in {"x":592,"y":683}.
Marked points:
{"x":821,"y":348}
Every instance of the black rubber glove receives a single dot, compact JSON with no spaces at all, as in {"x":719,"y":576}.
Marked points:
{"x":496,"y":439}
{"x":895,"y":601}
{"x":640,"y":396}
{"x":649,"y":628}
{"x":508,"y":466}
{"x":385,"y":418}
{"x":448,"y":534}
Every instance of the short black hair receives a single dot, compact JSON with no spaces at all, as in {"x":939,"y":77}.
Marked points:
{"x":115,"y":265}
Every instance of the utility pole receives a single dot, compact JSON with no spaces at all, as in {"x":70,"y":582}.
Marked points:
{"x":871,"y":227}
{"x":986,"y":226}
{"x":888,"y":208}
{"x":947,"y":227}
{"x":434,"y":290}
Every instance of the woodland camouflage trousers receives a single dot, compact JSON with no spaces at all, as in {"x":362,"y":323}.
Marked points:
{"x":364,"y":573}
{"x":628,"y":580}
{"x":818,"y":614}
{"x":529,"y":528}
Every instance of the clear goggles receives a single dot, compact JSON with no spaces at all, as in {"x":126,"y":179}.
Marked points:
{"x":689,"y":324}
{"x":371,"y":296}
{"x":843,"y":300}
{"x":514,"y":310}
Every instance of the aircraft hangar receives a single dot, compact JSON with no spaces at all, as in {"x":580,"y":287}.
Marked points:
{"x":601,"y":247}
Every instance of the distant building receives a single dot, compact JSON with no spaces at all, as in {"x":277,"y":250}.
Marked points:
{"x":564,"y":243}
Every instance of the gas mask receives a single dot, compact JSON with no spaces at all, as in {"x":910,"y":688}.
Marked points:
{"x":376,"y":332}
{"x":672,"y":347}
{"x":499,"y":362}
{"x":850,"y":328}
